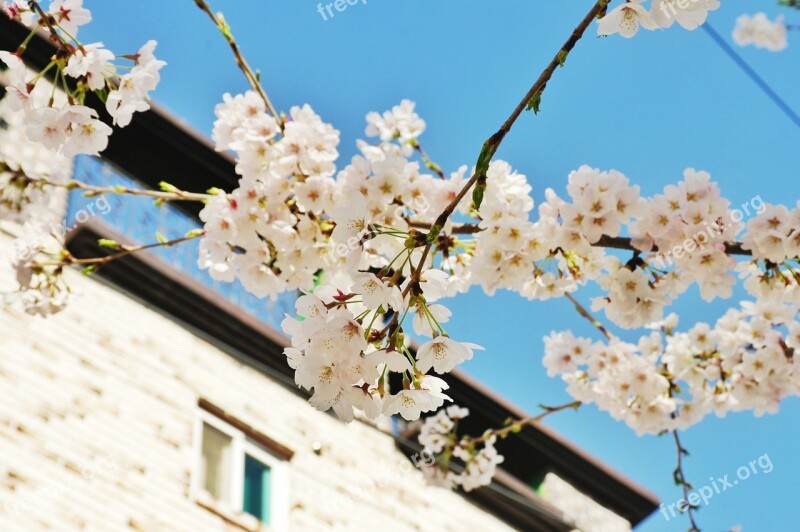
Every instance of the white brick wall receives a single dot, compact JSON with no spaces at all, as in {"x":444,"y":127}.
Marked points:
{"x":97,"y":409}
{"x":579,"y":508}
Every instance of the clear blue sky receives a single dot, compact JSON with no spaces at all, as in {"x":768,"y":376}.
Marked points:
{"x":649,"y":107}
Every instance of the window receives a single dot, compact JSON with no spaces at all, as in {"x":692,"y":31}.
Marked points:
{"x":237,"y":473}
{"x":256,"y":488}
{"x":217,"y":462}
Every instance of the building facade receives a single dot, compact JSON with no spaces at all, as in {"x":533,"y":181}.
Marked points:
{"x":159,"y":400}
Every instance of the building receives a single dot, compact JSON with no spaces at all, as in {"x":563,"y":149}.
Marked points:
{"x":160,"y":400}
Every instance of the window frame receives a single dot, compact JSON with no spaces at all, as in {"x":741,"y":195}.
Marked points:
{"x":241,"y":445}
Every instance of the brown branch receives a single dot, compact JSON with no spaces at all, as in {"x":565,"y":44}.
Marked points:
{"x":611,"y":242}
{"x":241,"y":62}
{"x":49,"y":22}
{"x":623,"y":242}
{"x":680,"y":479}
{"x":517,"y":425}
{"x":587,"y":315}
{"x":429,"y":164}
{"x":173,"y":195}
{"x":493,"y":143}
{"x":68,"y":258}
{"x":458,"y":229}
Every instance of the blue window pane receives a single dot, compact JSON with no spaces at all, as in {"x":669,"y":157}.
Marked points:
{"x":137,"y":218}
{"x":256,"y":489}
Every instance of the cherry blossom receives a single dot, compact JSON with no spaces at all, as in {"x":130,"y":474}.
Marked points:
{"x":690,"y":14}
{"x":366,"y":243}
{"x":741,"y":363}
{"x":443,"y":354}
{"x":626,"y":19}
{"x":21,"y":159}
{"x":59,"y":119}
{"x":411,"y":403}
{"x":400,"y":123}
{"x":480,"y":458}
{"x":69,"y":15}
{"x":758,"y":30}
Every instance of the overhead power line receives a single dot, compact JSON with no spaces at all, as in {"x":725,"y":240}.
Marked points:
{"x":752,"y":74}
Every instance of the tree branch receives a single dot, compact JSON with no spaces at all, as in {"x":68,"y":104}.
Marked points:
{"x":680,"y":479}
{"x":432,"y":166}
{"x":169,"y":194}
{"x":516,"y":426}
{"x":493,"y":143}
{"x":93,"y":263}
{"x":611,"y":242}
{"x":241,"y":62}
{"x":588,"y":316}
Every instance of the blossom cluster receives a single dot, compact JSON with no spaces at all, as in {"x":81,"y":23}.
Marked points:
{"x":20,"y":161}
{"x":295,"y":222}
{"x":41,"y":290}
{"x":773,"y":237}
{"x":691,"y":217}
{"x":61,"y":121}
{"x":670,"y":380}
{"x":629,"y":16}
{"x":479,"y":457}
{"x":342,"y":353}
{"x":253,"y":233}
{"x":758,"y":30}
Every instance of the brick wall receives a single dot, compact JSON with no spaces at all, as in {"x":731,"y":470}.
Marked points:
{"x":97,"y":413}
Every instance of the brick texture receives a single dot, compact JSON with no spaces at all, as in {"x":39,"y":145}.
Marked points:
{"x":97,"y":414}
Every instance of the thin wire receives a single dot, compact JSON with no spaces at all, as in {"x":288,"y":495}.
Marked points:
{"x":752,"y":74}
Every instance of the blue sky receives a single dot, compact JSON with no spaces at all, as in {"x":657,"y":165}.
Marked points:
{"x":649,"y":107}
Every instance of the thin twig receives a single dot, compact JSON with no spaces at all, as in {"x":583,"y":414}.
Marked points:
{"x":173,"y":195}
{"x":241,"y":62}
{"x":432,"y":166}
{"x":128,"y":250}
{"x":611,"y":242}
{"x":47,"y":20}
{"x":457,"y":229}
{"x":493,"y":143}
{"x":517,"y":425}
{"x":587,"y":315}
{"x":680,"y":479}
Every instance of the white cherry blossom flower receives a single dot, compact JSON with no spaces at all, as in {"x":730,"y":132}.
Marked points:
{"x":626,"y":19}
{"x":92,"y":63}
{"x":758,"y":30}
{"x":70,"y":15}
{"x":443,"y":354}
{"x":689,"y":14}
{"x":410,"y":404}
{"x":351,"y":221}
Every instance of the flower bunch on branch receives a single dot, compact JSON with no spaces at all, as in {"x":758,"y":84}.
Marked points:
{"x":55,"y":113}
